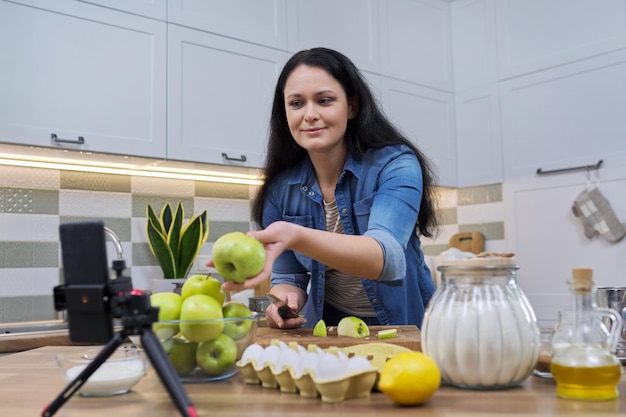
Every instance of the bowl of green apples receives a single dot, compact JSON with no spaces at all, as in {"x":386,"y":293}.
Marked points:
{"x":203,"y":335}
{"x":206,"y":350}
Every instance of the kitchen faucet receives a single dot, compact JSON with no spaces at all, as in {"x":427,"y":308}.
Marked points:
{"x":116,"y":243}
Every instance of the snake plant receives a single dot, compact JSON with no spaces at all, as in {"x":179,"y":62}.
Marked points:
{"x":174,"y":244}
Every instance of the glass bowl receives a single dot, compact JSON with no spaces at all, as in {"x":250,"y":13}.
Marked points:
{"x":205,"y":350}
{"x":117,"y":375}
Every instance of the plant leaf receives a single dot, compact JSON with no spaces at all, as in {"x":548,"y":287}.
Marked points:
{"x":166,"y":218}
{"x":189,"y":245}
{"x":173,"y":236}
{"x":162,"y":251}
{"x":205,"y":228}
{"x":151,"y":215}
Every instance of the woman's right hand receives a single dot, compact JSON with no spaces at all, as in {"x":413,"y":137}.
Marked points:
{"x":276,"y":321}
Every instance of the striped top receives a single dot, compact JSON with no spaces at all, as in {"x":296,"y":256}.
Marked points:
{"x":343,"y":291}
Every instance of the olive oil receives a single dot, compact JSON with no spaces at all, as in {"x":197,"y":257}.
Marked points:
{"x":587,"y":383}
{"x":586,"y":368}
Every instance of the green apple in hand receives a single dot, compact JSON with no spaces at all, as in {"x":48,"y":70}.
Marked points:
{"x":237,"y":329}
{"x":170,"y":305}
{"x":216,"y":356}
{"x":203,"y":284}
{"x":201,"y":307}
{"x":182,"y":354}
{"x":352,"y":327}
{"x":237,"y":256}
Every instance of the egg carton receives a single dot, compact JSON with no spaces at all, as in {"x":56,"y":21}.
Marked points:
{"x":331,"y":374}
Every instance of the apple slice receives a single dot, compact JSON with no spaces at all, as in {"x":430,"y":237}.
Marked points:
{"x":320,"y":329}
{"x":387,"y":333}
{"x":352,"y":327}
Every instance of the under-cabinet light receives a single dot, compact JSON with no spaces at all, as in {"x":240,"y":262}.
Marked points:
{"x":173,"y":173}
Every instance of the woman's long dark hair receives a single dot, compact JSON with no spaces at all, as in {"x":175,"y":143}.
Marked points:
{"x":369,"y":128}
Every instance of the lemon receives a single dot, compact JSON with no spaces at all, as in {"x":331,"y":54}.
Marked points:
{"x":387,"y":334}
{"x":409,"y":378}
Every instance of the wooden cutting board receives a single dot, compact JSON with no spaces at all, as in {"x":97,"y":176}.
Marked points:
{"x":407,"y":336}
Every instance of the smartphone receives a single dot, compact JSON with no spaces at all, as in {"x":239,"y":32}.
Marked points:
{"x":86,"y":277}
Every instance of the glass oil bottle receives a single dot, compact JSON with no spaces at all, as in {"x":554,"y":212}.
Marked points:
{"x":587,"y":369}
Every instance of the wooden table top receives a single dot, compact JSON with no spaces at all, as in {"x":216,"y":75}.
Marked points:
{"x":29,"y":380}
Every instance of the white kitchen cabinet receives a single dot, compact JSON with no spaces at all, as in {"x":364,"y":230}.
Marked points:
{"x":565,"y":117}
{"x":563,"y":31}
{"x":474,"y":43}
{"x":426,"y":116}
{"x":479,"y":143}
{"x":262,"y":22}
{"x":76,"y":70}
{"x":220,"y":92}
{"x":156,"y":9}
{"x":415,"y":42}
{"x":348,"y":26}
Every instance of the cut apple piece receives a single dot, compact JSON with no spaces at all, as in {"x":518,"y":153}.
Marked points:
{"x":352,"y":327}
{"x":320,"y":329}
{"x":387,"y":333}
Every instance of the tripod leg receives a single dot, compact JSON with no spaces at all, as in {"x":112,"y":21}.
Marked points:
{"x":167,"y":374}
{"x":78,"y":382}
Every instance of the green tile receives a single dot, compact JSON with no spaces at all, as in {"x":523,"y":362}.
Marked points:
{"x":24,"y":200}
{"x":45,"y":202}
{"x":434,"y":250}
{"x":90,"y":181}
{"x":27,"y":308}
{"x":120,"y":226}
{"x":480,"y":195}
{"x":218,"y":229}
{"x":140,"y":203}
{"x":220,"y":190}
{"x":142,"y":255}
{"x":29,"y":254}
{"x":447,"y":216}
{"x":491,"y":231}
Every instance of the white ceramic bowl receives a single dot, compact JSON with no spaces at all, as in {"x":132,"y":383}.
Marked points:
{"x":117,"y":375}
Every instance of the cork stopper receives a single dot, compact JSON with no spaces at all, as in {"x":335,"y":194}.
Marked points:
{"x":582,"y":279}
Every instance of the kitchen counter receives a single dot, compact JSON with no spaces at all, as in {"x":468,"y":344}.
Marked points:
{"x":31,"y":379}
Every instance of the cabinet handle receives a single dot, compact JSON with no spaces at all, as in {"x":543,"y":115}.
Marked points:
{"x":230,"y":158}
{"x":79,"y":141}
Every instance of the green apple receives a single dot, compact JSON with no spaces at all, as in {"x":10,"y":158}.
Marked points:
{"x":216,"y":356}
{"x":352,"y":327}
{"x":320,"y":329}
{"x":207,"y":311}
{"x":203,"y":284}
{"x":182,"y":354}
{"x":237,"y":256}
{"x":237,"y":329}
{"x":170,"y":305}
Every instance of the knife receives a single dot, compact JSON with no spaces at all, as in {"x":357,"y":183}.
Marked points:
{"x":283,"y":310}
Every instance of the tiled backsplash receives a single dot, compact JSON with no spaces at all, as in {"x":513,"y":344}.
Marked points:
{"x":34,"y":202}
{"x":472,"y":209}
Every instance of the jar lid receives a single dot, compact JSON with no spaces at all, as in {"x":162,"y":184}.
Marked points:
{"x":480,"y":261}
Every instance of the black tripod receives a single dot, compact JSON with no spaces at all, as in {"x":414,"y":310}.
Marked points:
{"x":136,"y":315}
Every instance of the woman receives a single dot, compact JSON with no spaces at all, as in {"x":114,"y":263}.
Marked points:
{"x":344,"y":198}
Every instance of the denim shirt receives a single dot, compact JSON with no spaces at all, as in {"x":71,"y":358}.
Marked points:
{"x":378,"y":196}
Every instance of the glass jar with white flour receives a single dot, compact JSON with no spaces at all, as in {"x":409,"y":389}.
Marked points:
{"x":479,"y":327}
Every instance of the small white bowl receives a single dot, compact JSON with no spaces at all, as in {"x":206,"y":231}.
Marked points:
{"x":117,"y":375}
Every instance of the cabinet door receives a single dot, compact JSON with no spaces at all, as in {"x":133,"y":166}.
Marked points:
{"x":349,"y":26}
{"x":220,"y":93}
{"x":415,"y":42}
{"x":263,"y":22}
{"x":79,"y":70}
{"x":426,"y":116}
{"x":156,"y":9}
